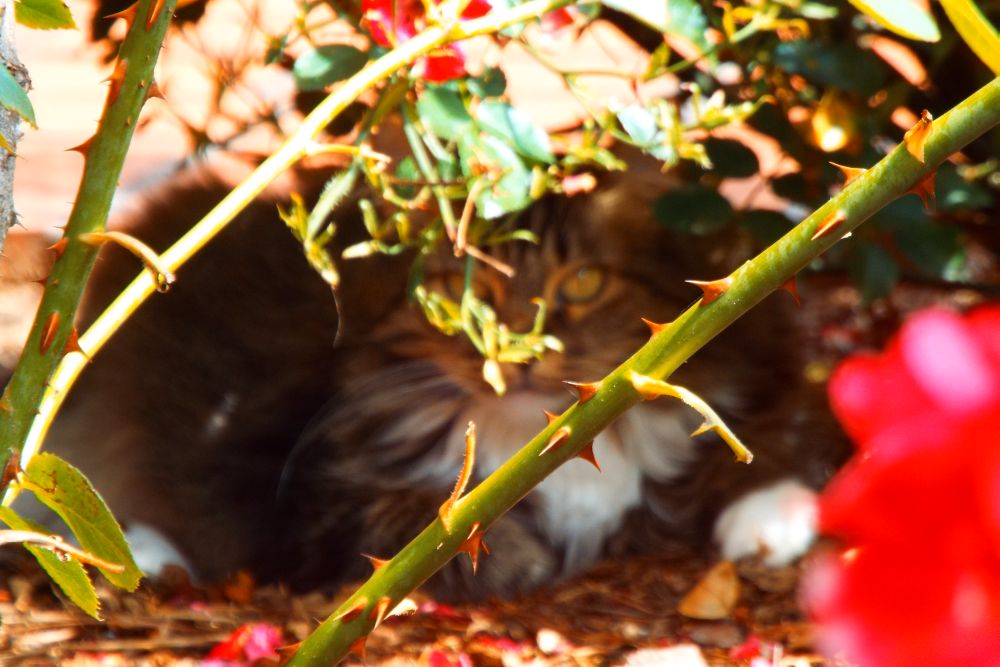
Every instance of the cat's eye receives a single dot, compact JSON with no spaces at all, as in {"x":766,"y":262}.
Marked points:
{"x":583,"y":285}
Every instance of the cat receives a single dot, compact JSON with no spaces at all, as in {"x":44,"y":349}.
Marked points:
{"x":260,"y":421}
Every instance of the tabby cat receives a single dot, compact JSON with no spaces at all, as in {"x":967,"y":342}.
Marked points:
{"x":259,"y":422}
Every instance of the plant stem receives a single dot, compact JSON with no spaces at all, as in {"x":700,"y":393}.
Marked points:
{"x":46,"y":346}
{"x":669,"y":348}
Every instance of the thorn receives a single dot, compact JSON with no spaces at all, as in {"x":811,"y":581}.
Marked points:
{"x":585,"y":390}
{"x":128,"y":14}
{"x":557,"y":440}
{"x":358,"y":648}
{"x":10,"y":469}
{"x":916,"y":136}
{"x":587,"y":454}
{"x":464,"y":475}
{"x":154,"y":13}
{"x":712,"y":289}
{"x":925,"y":190}
{"x":550,"y":416}
{"x":380,"y":610}
{"x":472,"y":544}
{"x":376,"y":562}
{"x":5,"y":405}
{"x":73,"y":344}
{"x":116,"y":80}
{"x":49,"y":333}
{"x":654,"y":327}
{"x":155,"y":91}
{"x":41,"y":281}
{"x":353,"y":612}
{"x":792,"y":289}
{"x":83,"y":148}
{"x":850,"y":173}
{"x":830,"y":224}
{"x":59,"y":247}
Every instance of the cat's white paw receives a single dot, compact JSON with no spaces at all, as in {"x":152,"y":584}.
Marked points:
{"x":778,"y":521}
{"x":152,"y":550}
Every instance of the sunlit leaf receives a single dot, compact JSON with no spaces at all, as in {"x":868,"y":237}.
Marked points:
{"x":13,"y":97}
{"x":904,"y":17}
{"x":44,"y":14}
{"x":319,"y":67}
{"x":442,"y":111}
{"x":977,"y":32}
{"x":874,"y":271}
{"x":511,"y":190}
{"x":680,"y":17}
{"x":517,"y":128}
{"x":64,"y":490}
{"x":68,"y":573}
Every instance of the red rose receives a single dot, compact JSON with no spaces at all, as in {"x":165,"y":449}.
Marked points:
{"x":917,"y":581}
{"x":394,"y":21}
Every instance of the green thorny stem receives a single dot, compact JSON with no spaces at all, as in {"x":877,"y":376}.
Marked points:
{"x":20,"y":426}
{"x":52,"y":333}
{"x":672,"y":344}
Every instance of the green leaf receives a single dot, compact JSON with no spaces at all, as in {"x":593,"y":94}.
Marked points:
{"x":442,"y":112}
{"x":977,"y":32}
{"x":517,"y":128}
{"x":679,"y":17}
{"x":693,"y":209}
{"x":334,"y":192}
{"x":64,"y":490}
{"x":954,"y":193}
{"x":512,"y":191}
{"x":68,"y":574}
{"x":640,"y":125}
{"x":843,"y":66}
{"x":874,"y":271}
{"x":491,"y":83}
{"x":13,"y":97}
{"x":730,"y":158}
{"x":44,"y":14}
{"x":904,"y":17}
{"x":319,"y":67}
{"x":765,"y":226}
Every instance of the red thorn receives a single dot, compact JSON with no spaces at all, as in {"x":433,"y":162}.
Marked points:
{"x":116,"y":80}
{"x":49,"y":332}
{"x":712,"y":289}
{"x":155,"y":91}
{"x":353,"y":612}
{"x":654,"y":327}
{"x":128,"y":14}
{"x":925,"y":190}
{"x":154,"y":13}
{"x":358,"y":648}
{"x":377,"y":563}
{"x":83,"y":148}
{"x":11,"y":468}
{"x":792,"y":289}
{"x":557,"y":439}
{"x":585,"y":390}
{"x":916,"y":136}
{"x":472,"y":544}
{"x":379,"y":611}
{"x":73,"y":344}
{"x":59,"y":247}
{"x":587,"y":454}
{"x":850,"y":173}
{"x":550,"y":416}
{"x":830,"y":224}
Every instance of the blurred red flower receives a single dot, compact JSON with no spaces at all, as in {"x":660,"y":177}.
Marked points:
{"x":392,"y":22}
{"x":917,"y":581}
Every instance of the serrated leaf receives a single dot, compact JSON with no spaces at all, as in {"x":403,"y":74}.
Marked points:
{"x":13,"y":97}
{"x":319,"y":67}
{"x":693,"y":209}
{"x":69,"y":574}
{"x":516,"y":127}
{"x":977,"y":32}
{"x":64,"y":490}
{"x":512,"y":191}
{"x":334,"y":192}
{"x":680,"y":17}
{"x":442,"y":112}
{"x":874,"y":271}
{"x":907,"y":18}
{"x":44,"y":14}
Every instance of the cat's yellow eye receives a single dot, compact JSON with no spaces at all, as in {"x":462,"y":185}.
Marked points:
{"x":582,"y":285}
